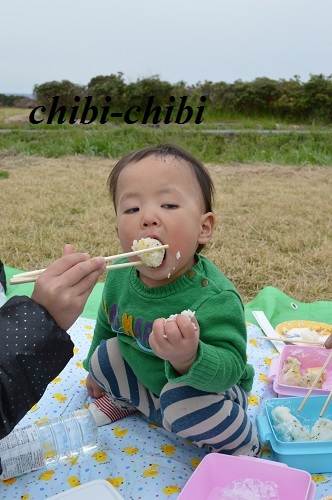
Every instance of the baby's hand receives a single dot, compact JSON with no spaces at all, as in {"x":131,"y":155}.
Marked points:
{"x":176,"y":341}
{"x":94,"y":390}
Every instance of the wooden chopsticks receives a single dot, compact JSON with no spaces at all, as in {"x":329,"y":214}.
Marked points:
{"x":31,"y":276}
{"x":326,"y":404}
{"x":319,"y":374}
{"x":18,"y":280}
{"x":293,"y":341}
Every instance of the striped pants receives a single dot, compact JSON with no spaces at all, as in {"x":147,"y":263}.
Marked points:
{"x":215,"y":421}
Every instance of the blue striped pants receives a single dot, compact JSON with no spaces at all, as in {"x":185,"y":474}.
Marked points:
{"x":215,"y":421}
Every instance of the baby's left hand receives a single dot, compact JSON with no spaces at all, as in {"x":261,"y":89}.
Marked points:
{"x":176,"y":341}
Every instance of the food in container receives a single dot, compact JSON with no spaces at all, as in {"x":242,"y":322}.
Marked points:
{"x":313,"y":455}
{"x":296,"y":368}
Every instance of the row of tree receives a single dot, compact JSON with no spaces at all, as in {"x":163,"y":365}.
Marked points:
{"x":287,"y":99}
{"x":16,"y":101}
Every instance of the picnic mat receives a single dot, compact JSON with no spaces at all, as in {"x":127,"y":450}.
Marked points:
{"x":140,"y":459}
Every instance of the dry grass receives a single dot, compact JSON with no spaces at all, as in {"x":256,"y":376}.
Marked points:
{"x":13,"y":115}
{"x":274,"y":222}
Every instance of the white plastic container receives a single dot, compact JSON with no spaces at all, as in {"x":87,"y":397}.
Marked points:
{"x":48,"y":442}
{"x":99,"y":488}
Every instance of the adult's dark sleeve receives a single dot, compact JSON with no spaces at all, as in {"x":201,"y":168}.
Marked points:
{"x":33,"y":351}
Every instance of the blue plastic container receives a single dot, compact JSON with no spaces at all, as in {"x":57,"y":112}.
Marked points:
{"x":311,"y":456}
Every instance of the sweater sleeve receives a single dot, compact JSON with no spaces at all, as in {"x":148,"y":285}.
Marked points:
{"x":221,"y":357}
{"x":34,"y":350}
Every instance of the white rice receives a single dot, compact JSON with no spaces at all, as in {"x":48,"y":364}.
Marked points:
{"x":151,"y":259}
{"x":190,"y":314}
{"x":290,"y":428}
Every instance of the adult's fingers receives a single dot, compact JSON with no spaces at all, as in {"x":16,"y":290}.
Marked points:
{"x":328,"y":342}
{"x":67,"y":250}
{"x":85,"y":286}
{"x":84,"y":274}
{"x":65,"y":263}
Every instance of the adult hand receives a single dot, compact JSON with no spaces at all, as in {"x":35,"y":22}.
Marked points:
{"x":65,"y":286}
{"x":328,"y":342}
{"x":176,"y":341}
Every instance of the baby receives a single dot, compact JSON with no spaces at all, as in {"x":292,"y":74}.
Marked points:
{"x":188,"y":374}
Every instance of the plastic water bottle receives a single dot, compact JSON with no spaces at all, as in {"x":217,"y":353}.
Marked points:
{"x":47,"y":443}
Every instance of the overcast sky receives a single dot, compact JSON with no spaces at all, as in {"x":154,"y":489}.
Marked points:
{"x":190,"y":40}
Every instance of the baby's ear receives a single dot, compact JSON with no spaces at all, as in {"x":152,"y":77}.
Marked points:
{"x":208,"y":222}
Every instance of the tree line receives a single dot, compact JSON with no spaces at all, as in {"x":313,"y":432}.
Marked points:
{"x":292,"y":99}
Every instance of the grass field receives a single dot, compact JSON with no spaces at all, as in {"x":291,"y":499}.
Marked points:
{"x":274,"y":222}
{"x":273,"y":198}
{"x":285,"y":144}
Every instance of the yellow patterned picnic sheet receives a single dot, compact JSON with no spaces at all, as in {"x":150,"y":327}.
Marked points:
{"x":140,"y":459}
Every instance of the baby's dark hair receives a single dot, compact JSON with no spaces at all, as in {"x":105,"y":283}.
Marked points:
{"x":202,"y":176}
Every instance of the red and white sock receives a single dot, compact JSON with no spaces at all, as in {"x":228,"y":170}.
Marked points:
{"x":105,"y":412}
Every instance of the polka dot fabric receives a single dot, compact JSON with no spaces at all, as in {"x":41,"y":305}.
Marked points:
{"x":33,"y":350}
{"x":140,"y":459}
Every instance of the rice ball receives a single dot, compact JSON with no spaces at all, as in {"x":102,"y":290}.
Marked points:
{"x":288,"y":426}
{"x":322,"y":430}
{"x":151,"y":259}
{"x":309,"y":335}
{"x":291,"y":372}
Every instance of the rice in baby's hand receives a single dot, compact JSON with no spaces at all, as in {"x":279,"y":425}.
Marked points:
{"x":190,"y":314}
{"x":151,"y":259}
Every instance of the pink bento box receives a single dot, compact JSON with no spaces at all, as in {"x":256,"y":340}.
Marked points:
{"x":309,"y":357}
{"x":217,"y":472}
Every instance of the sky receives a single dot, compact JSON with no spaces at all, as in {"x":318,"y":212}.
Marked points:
{"x":189,"y":40}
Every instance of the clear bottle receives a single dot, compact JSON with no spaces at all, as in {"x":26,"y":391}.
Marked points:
{"x":47,"y":443}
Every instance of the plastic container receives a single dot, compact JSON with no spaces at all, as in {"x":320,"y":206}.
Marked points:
{"x":98,"y":488}
{"x":217,"y":472}
{"x":47,"y":443}
{"x":309,"y":357}
{"x":311,"y":456}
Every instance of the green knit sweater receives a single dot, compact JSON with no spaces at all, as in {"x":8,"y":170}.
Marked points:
{"x":129,"y":308}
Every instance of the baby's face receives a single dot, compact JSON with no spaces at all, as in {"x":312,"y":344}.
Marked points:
{"x":159,"y":198}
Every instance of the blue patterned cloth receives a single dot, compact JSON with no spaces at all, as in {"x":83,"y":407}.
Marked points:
{"x":140,"y":459}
